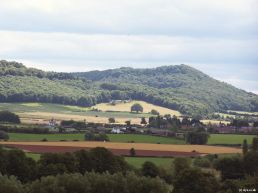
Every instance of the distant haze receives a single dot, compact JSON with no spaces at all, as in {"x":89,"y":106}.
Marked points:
{"x":219,"y":37}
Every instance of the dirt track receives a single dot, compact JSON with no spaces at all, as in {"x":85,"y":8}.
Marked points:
{"x":142,"y":149}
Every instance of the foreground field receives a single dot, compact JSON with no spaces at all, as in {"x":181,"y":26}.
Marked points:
{"x":149,"y":149}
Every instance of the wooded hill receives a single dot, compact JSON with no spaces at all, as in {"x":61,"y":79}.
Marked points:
{"x":178,"y":87}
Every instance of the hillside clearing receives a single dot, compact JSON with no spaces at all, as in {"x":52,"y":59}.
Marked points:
{"x":126,"y":107}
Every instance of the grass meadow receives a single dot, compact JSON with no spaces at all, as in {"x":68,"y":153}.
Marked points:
{"x":137,"y":138}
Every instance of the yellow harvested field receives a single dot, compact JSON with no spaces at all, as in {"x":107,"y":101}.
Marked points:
{"x":203,"y":149}
{"x":244,"y":112}
{"x":126,"y":107}
{"x":44,"y":117}
{"x":214,"y":122}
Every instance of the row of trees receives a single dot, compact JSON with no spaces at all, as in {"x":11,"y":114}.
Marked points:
{"x":15,"y":162}
{"x":86,"y":183}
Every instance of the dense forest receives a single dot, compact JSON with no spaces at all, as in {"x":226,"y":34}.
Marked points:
{"x":177,"y":87}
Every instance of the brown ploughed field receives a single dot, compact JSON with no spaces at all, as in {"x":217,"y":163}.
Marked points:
{"x":142,"y":149}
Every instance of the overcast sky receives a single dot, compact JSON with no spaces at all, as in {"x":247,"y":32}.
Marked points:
{"x":218,"y":37}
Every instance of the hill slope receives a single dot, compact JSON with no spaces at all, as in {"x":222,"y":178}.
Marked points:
{"x":177,"y":87}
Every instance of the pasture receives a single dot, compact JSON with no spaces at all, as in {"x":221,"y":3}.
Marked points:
{"x":229,"y":139}
{"x":78,"y":136}
{"x":137,"y":138}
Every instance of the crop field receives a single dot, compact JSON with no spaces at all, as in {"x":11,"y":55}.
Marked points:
{"x":44,"y":117}
{"x":244,"y":112}
{"x":126,"y":107}
{"x":201,"y":149}
{"x":213,"y":122}
{"x":229,"y":139}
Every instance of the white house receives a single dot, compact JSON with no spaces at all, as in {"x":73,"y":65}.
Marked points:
{"x":116,"y":131}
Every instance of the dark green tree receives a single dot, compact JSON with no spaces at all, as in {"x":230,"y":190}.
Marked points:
{"x":132,"y":152}
{"x":4,"y":135}
{"x":193,"y":181}
{"x":111,"y":120}
{"x":154,"y":112}
{"x":7,"y":116}
{"x":10,"y":185}
{"x":255,"y":144}
{"x":231,"y":167}
{"x":136,"y":108}
{"x":143,"y":121}
{"x":197,"y":137}
{"x":180,"y":164}
{"x":250,"y":163}
{"x":150,"y":169}
{"x":245,"y":147}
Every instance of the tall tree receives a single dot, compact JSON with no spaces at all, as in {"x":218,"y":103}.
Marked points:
{"x":255,"y":144}
{"x":245,"y":147}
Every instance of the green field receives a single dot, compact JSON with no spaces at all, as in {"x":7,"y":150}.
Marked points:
{"x":229,"y":139}
{"x":49,"y":137}
{"x":113,"y":137}
{"x":137,"y":138}
{"x":138,"y":161}
{"x":34,"y":156}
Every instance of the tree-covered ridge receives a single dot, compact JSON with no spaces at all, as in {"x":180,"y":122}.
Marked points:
{"x":18,"y":69}
{"x":180,"y":87}
{"x":177,"y":87}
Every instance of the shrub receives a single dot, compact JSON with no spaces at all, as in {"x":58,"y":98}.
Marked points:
{"x":111,"y":120}
{"x":154,"y":112}
{"x":6,"y":116}
{"x":89,"y":136}
{"x":132,"y":152}
{"x":202,"y":162}
{"x":4,"y":135}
